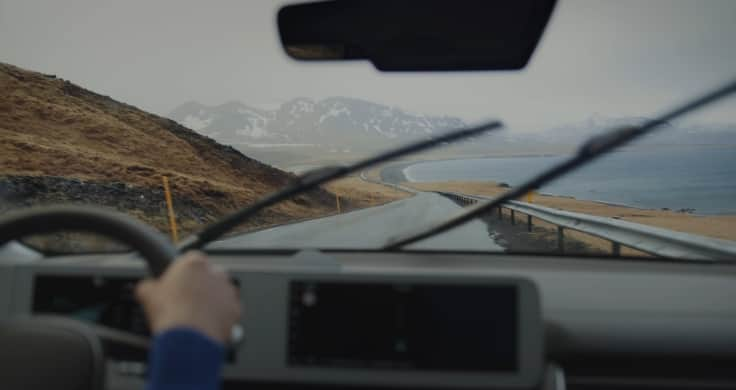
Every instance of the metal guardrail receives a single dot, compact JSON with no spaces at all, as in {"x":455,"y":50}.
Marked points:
{"x":648,"y":239}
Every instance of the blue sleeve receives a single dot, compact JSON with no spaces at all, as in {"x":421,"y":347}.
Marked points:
{"x":184,"y":359}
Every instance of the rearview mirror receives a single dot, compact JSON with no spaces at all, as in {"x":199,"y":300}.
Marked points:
{"x":412,"y":35}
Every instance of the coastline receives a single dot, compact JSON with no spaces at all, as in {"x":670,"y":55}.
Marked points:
{"x":716,"y":226}
{"x":394,"y":174}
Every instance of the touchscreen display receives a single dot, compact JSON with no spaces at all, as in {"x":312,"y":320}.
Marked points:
{"x":403,"y":326}
{"x":107,"y":301}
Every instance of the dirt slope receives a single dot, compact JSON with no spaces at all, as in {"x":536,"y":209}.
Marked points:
{"x":62,"y":143}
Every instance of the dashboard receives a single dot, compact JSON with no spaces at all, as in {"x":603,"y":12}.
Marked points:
{"x":429,"y":320}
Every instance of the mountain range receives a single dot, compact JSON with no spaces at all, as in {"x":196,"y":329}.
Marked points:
{"x":349,"y":124}
{"x":336,"y":122}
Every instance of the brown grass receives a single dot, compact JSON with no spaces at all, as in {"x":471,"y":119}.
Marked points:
{"x":50,"y":127}
{"x":364,"y":194}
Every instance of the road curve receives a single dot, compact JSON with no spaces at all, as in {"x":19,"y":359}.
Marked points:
{"x":372,"y":228}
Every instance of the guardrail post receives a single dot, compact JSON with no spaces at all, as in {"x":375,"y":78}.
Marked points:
{"x":615,"y":248}
{"x":560,"y":239}
{"x":513,"y":220}
{"x":625,"y":234}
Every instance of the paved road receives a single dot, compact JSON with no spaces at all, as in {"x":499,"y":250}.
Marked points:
{"x":371,"y":228}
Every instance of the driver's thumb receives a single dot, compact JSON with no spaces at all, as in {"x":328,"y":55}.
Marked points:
{"x":143,"y":290}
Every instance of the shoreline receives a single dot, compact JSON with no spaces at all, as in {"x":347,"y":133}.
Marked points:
{"x":716,"y":226}
{"x":394,"y":174}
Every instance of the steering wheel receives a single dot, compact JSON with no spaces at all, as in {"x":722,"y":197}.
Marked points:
{"x":155,"y":249}
{"x":43,"y":334}
{"x":153,"y":246}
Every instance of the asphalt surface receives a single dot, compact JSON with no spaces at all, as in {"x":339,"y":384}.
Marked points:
{"x":372,"y":228}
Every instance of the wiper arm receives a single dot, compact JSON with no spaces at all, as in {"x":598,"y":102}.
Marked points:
{"x":313,"y":179}
{"x":591,"y":149}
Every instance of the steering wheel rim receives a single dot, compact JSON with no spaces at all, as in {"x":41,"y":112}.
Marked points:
{"x":153,"y":246}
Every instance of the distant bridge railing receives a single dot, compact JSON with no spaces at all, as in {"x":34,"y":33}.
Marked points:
{"x":652,"y":240}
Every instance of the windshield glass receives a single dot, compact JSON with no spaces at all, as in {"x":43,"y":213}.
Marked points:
{"x":180,"y":113}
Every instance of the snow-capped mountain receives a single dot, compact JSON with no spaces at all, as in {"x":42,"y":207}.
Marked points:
{"x":231,"y":121}
{"x":349,"y":124}
{"x":335,"y":121}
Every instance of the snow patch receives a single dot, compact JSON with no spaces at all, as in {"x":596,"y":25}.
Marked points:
{"x":255,"y":132}
{"x":301,"y":106}
{"x":245,"y":111}
{"x":196,"y":122}
{"x":255,"y":128}
{"x":333,"y":112}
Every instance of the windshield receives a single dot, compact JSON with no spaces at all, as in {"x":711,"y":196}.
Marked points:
{"x":181,"y":113}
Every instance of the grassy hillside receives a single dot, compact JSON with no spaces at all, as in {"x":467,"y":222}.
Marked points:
{"x":60,"y":143}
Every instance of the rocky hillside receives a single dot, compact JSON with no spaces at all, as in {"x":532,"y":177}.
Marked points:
{"x":62,"y":143}
{"x":333,"y":122}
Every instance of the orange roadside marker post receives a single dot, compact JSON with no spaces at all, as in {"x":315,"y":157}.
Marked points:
{"x":170,"y":208}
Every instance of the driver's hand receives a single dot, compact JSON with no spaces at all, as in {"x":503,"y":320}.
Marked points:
{"x":191,"y":293}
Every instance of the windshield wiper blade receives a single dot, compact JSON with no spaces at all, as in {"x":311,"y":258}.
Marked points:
{"x":313,"y":179}
{"x":591,"y":149}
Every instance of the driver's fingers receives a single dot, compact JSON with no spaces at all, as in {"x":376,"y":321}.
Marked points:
{"x":236,"y":292}
{"x":189,"y":260}
{"x":144,"y":289}
{"x":217,"y":268}
{"x":196,"y":257}
{"x":189,"y":263}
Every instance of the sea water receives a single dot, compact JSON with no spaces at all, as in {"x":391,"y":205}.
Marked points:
{"x":699,"y":178}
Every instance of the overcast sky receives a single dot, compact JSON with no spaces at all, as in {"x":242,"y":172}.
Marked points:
{"x":613,"y":58}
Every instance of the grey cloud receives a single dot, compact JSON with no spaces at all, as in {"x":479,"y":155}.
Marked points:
{"x":608,"y":57}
